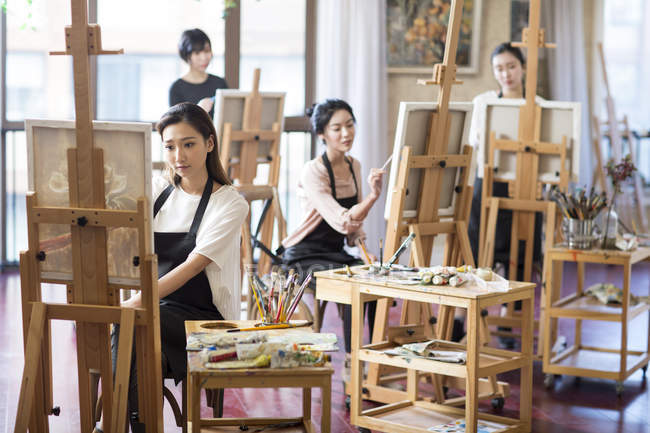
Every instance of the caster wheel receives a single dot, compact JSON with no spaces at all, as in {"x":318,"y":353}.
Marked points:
{"x":347,"y":403}
{"x":578,"y":381}
{"x":644,"y":369}
{"x":364,"y":430}
{"x":498,"y":403}
{"x":619,"y":388}
{"x":549,"y":380}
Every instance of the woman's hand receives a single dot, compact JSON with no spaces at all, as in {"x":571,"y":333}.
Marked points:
{"x":375,"y":179}
{"x":134,"y":301}
{"x":206,"y":104}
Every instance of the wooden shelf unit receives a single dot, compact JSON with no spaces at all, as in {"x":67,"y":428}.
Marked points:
{"x":581,"y":360}
{"x":415,"y":414}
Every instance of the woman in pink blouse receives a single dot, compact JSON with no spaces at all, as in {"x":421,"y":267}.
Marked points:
{"x":332,"y":203}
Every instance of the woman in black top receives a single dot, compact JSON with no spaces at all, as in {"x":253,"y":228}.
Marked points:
{"x":196,"y":86}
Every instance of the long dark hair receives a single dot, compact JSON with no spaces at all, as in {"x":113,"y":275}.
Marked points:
{"x":320,"y":114}
{"x":198,"y":119}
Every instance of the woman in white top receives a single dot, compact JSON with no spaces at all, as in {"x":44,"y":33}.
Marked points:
{"x":197,"y":221}
{"x":508,"y":66}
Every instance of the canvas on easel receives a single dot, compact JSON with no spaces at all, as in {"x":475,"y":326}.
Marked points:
{"x":249,"y":127}
{"x":127,"y":176}
{"x":559,"y":119}
{"x":230,"y":110}
{"x":413,"y":123}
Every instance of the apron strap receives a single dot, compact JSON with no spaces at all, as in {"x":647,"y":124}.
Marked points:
{"x":162,"y":198}
{"x":330,"y":172}
{"x":203,"y":204}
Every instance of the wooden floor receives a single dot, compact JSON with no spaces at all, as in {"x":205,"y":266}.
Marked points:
{"x":571,"y":407}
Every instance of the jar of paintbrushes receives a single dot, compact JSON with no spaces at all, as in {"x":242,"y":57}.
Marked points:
{"x":580,"y":210}
{"x":277,"y":299}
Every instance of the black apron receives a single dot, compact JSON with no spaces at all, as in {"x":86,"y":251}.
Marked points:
{"x":323,"y":247}
{"x":192,"y":301}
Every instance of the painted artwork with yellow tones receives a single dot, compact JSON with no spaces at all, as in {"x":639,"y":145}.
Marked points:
{"x":127,"y":177}
{"x":417,"y":31}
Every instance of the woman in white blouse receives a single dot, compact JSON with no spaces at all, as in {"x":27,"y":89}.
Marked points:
{"x":508,"y":67}
{"x":197,"y":221}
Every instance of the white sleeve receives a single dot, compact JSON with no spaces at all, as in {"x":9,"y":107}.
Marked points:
{"x":223,"y":229}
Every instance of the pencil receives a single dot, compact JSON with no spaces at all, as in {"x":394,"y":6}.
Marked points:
{"x":257,"y":301}
{"x":363,"y":248}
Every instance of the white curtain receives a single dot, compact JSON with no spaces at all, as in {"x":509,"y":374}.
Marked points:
{"x":563,"y":21}
{"x":351,"y":65}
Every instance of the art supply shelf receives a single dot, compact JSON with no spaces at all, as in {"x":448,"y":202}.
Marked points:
{"x":579,"y":359}
{"x":413,"y":413}
{"x":579,"y":307}
{"x":490,"y":361}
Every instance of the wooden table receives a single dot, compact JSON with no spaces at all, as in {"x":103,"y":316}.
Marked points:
{"x":300,"y":377}
{"x":414,"y":414}
{"x":579,"y":359}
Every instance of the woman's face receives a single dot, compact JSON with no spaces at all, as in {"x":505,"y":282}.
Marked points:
{"x":508,"y":72}
{"x":200,"y":60}
{"x":339,"y":132}
{"x":186,"y":150}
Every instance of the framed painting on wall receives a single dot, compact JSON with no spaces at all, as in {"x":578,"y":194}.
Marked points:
{"x":416,"y":31}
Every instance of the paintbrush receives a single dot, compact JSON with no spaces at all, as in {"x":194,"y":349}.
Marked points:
{"x":400,"y":250}
{"x":381,"y":254}
{"x":296,"y":299}
{"x":383,"y":167}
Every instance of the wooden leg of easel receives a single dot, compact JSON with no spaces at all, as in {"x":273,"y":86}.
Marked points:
{"x":487,"y":258}
{"x":530,"y":243}
{"x":514,"y":248}
{"x":85,"y":345}
{"x":123,"y":369}
{"x":32,"y":363}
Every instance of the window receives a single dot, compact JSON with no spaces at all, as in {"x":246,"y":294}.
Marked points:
{"x":627,"y":55}
{"x":275,"y":35}
{"x":134,"y":86}
{"x":38,"y":85}
{"x":16,"y":187}
{"x":273,"y":39}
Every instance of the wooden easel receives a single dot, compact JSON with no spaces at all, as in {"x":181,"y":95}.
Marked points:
{"x":526,"y":199}
{"x":92,"y":302}
{"x":416,"y":317}
{"x":613,"y":132}
{"x":245,"y":171}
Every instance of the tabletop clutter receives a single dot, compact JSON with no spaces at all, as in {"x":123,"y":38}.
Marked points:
{"x":453,"y":276}
{"x":252,"y":349}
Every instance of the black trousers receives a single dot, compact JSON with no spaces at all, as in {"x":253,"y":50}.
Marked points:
{"x":173,"y":356}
